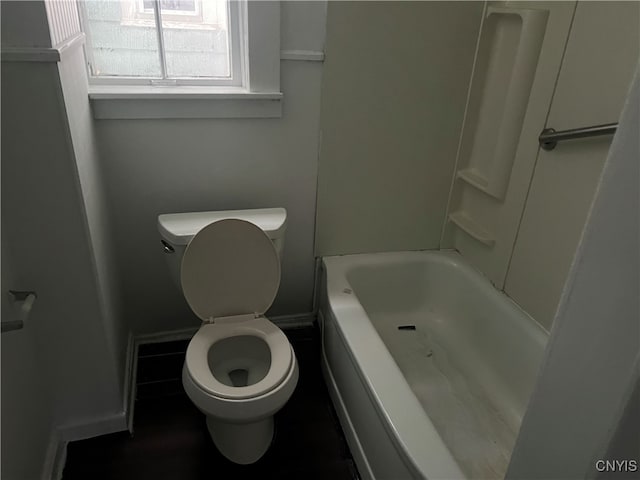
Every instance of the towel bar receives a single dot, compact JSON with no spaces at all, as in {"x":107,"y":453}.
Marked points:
{"x":549,"y":138}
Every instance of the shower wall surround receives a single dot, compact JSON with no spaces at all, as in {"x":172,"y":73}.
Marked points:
{"x":517,"y":211}
{"x":519,"y":53}
{"x":394,"y":87}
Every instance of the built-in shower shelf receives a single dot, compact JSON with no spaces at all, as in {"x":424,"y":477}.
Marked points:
{"x":507,"y":56}
{"x":471,"y":228}
{"x":475,"y":179}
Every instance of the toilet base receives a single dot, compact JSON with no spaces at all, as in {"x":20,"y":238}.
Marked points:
{"x":242,"y":443}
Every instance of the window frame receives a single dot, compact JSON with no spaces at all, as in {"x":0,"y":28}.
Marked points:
{"x":259,"y":95}
{"x":176,"y":13}
{"x":237,"y":53}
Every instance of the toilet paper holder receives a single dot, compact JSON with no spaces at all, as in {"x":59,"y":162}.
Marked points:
{"x":28,"y":298}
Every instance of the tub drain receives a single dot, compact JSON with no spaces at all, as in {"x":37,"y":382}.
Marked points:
{"x":406,"y":327}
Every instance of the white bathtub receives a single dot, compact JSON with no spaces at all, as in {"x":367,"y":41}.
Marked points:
{"x":444,"y":400}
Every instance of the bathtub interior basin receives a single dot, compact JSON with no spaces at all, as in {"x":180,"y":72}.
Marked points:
{"x":464,"y":351}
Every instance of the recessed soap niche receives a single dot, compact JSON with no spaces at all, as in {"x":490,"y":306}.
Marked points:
{"x":505,"y":67}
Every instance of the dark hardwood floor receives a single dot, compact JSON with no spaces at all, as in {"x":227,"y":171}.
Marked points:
{"x":170,"y":439}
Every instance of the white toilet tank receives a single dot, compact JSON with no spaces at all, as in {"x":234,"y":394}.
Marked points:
{"x":177,"y":230}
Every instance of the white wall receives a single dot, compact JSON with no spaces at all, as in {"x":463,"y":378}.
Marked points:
{"x":27,"y":407}
{"x":164,"y":166}
{"x":24,"y":24}
{"x":592,"y":359}
{"x":73,"y":80}
{"x":46,"y":222}
{"x":393,"y":99}
{"x":27,"y":421}
{"x":302,"y":25}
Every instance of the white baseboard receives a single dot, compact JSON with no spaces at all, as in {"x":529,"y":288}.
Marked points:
{"x":56,"y":454}
{"x":55,"y":458}
{"x":129,"y":390}
{"x":93,"y":428}
{"x":294,"y":321}
{"x":166,"y":336}
{"x":282,"y":321}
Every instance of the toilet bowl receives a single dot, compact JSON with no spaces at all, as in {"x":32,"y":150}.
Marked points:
{"x":239,"y":375}
{"x":239,"y":368}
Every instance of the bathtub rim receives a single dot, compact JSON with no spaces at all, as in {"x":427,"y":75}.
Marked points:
{"x":342,"y":303}
{"x":418,"y":451}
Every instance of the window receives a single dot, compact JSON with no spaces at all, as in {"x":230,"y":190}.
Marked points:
{"x":183,"y":58}
{"x":163,"y":42}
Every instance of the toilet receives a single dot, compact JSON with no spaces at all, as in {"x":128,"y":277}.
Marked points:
{"x":239,"y":369}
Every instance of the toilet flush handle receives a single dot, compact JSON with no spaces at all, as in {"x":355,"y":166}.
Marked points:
{"x":167,"y":248}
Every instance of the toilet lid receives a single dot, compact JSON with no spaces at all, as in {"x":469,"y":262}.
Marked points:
{"x":230,"y":268}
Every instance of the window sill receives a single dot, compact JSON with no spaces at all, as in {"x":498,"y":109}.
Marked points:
{"x":147,"y":102}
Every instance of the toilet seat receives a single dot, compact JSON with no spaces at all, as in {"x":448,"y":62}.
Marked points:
{"x":198,"y":366}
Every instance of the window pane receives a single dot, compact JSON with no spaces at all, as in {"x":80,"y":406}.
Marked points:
{"x":196,"y":38}
{"x":123,"y":38}
{"x":175,"y":6}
